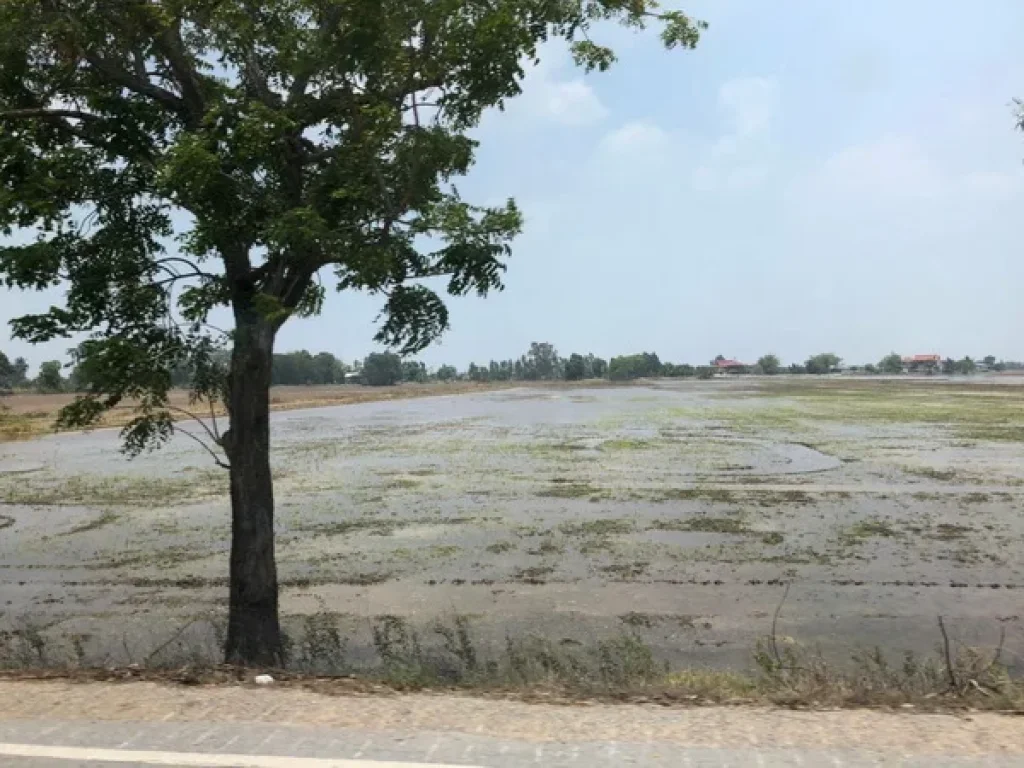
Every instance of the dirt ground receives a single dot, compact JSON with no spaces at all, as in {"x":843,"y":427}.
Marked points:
{"x":25,"y":415}
{"x":675,"y":512}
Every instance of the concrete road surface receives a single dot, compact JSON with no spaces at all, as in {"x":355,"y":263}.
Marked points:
{"x":62,"y":724}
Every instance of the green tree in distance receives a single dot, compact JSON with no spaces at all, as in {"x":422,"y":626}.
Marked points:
{"x":6,"y":372}
{"x":646,"y":364}
{"x":769,"y":365}
{"x":575,"y":368}
{"x":311,"y":143}
{"x":826,"y":362}
{"x":382,"y":369}
{"x":891,"y":363}
{"x":965,"y":366}
{"x":50,"y":379}
{"x":447,"y":373}
{"x":414,"y":371}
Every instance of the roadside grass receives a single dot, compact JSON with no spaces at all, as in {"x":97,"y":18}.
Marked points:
{"x":446,"y":656}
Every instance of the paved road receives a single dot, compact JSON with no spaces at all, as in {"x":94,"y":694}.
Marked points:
{"x":57,"y":725}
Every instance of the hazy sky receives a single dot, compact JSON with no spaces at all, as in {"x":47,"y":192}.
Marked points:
{"x":816,"y":176}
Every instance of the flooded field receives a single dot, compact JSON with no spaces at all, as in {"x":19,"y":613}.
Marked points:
{"x":677,"y":511}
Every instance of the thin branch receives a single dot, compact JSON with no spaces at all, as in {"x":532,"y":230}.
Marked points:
{"x":775,"y":624}
{"x":197,"y":419}
{"x":213,"y":419}
{"x":176,"y":276}
{"x":153,"y":654}
{"x":948,"y":655}
{"x":180,"y":259}
{"x":216,"y":459}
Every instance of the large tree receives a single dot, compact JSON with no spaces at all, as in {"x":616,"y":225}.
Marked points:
{"x":891,"y":363}
{"x":176,"y":156}
{"x":769,"y":364}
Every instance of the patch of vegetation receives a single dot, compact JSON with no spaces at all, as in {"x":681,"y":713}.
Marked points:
{"x":867,"y":529}
{"x":595,"y":544}
{"x":779,"y":498}
{"x":721,"y":495}
{"x":772,"y":539}
{"x":500,"y":547}
{"x":533,"y":575}
{"x":106,"y":518}
{"x":626,"y":571}
{"x":402,"y":484}
{"x":975,"y":497}
{"x":443,"y":550}
{"x":547,"y":547}
{"x":598,"y":527}
{"x":702,"y":525}
{"x":943,"y":475}
{"x":569,"y":490}
{"x":113,"y":490}
{"x":638,"y":620}
{"x":626,"y":444}
{"x":950,"y":531}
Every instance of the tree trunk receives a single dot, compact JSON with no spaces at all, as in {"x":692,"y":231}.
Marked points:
{"x":254,"y":632}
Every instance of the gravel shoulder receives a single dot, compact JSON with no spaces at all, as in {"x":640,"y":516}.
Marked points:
{"x":903,"y":732}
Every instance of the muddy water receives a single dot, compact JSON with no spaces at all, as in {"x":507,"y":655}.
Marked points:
{"x":675,"y":511}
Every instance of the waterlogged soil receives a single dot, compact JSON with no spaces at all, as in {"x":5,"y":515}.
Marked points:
{"x":677,"y":511}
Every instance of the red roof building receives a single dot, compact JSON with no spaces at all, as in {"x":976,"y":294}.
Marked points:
{"x":919,"y":359}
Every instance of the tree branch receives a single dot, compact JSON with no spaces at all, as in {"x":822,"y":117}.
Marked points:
{"x":216,"y":459}
{"x":26,"y":114}
{"x":210,"y":433}
{"x":136,"y":84}
{"x":170,"y":44}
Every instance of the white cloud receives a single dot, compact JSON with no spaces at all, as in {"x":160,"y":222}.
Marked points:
{"x":751,"y":103}
{"x":740,"y":158}
{"x":635,"y":136}
{"x":890,"y":169}
{"x":554,"y":90}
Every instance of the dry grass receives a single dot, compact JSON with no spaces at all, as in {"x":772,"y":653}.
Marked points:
{"x":619,"y":668}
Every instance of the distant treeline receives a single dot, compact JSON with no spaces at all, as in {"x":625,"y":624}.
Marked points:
{"x":540,"y":363}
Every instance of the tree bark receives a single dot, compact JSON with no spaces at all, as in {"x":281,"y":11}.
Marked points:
{"x":254,"y":632}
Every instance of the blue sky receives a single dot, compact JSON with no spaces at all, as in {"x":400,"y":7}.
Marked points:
{"x":816,"y":176}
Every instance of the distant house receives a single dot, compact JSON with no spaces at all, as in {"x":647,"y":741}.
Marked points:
{"x":354,"y":377}
{"x":922,"y":364}
{"x":731,"y":366}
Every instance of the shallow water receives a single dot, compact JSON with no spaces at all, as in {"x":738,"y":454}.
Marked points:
{"x":557,"y":511}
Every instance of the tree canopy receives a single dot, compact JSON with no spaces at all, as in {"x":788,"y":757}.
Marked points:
{"x":769,"y":364}
{"x":382,"y":369}
{"x":826,"y":362}
{"x":891,"y":363}
{"x":644,"y":365}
